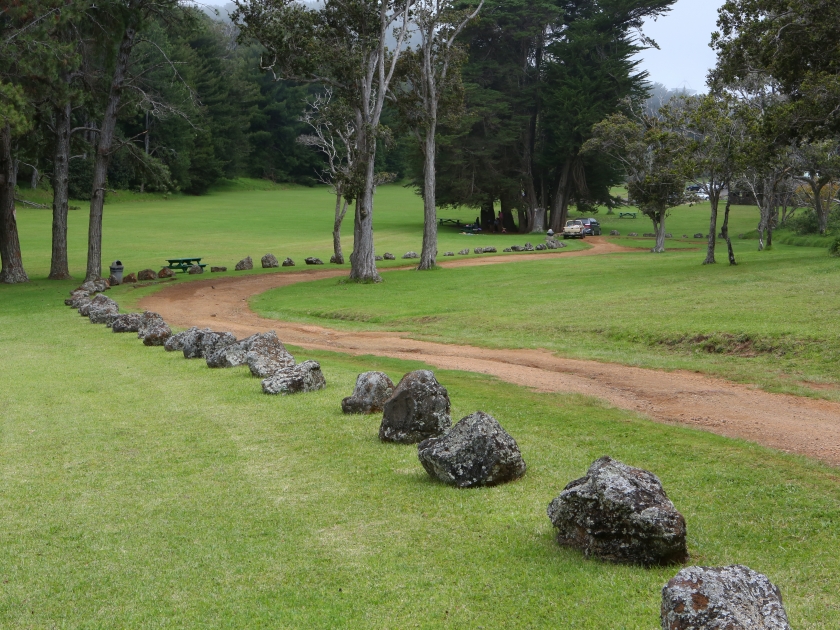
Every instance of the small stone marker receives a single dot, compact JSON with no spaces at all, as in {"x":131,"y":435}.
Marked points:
{"x":464,"y":252}
{"x":193,"y":343}
{"x":410,"y":255}
{"x":218,"y":269}
{"x":528,"y":247}
{"x":736,"y":597}
{"x":195,"y":270}
{"x":389,"y":256}
{"x":102,"y":310}
{"x":130,"y":278}
{"x":490,"y":250}
{"x":372,"y":390}
{"x":166,"y":272}
{"x":313,"y":261}
{"x":269,"y":261}
{"x":620,"y":514}
{"x":127,"y":322}
{"x":378,"y":258}
{"x":615,"y":233}
{"x":633,"y":234}
{"x":231,"y":355}
{"x":305,"y":377}
{"x":153,"y":330}
{"x":477,"y":451}
{"x":418,"y":409}
{"x":146,"y":275}
{"x":478,"y":250}
{"x":267,"y":355}
{"x":698,"y":235}
{"x":288,"y":262}
{"x":245,"y":264}
{"x":176,"y":342}
{"x":448,"y":253}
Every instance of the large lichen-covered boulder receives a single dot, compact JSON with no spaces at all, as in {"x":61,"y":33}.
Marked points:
{"x":269,"y":261}
{"x":95,"y":286}
{"x":102,"y":310}
{"x":369,"y":396}
{"x":232,"y":355}
{"x":418,"y":409}
{"x":176,"y":342}
{"x":194,"y":344}
{"x":389,"y":256}
{"x":312,"y":260}
{"x":195,"y":270}
{"x":267,"y":355}
{"x":477,"y":451}
{"x":620,"y":514}
{"x":153,"y":330}
{"x":296,"y":379}
{"x":75,"y":296}
{"x":212,"y":342}
{"x":464,"y":251}
{"x":146,"y":274}
{"x":127,"y":322}
{"x":722,"y":598}
{"x":245,"y":264}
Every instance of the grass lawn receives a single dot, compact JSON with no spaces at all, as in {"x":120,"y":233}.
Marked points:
{"x":144,"y":490}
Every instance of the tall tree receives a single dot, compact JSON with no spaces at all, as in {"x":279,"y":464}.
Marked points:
{"x":342,"y":44}
{"x":817,"y":165}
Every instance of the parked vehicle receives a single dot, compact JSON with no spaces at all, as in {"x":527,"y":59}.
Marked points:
{"x":591,"y":227}
{"x":574,"y":229}
{"x":693,"y":188}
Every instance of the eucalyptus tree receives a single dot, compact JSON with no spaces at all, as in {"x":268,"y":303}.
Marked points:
{"x":817,"y":164}
{"x":430,"y":76}
{"x":341,"y":44}
{"x":654,"y":161}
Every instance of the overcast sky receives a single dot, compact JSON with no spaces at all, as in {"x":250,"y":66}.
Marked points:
{"x":683,"y":36}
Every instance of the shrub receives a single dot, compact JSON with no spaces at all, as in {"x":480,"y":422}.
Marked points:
{"x":834,"y":248}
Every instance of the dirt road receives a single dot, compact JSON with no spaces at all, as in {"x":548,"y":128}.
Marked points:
{"x":788,"y":423}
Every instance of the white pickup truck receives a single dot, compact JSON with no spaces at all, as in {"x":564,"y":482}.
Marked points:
{"x":574,"y":229}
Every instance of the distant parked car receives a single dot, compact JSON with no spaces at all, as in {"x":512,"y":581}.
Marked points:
{"x":693,"y":188}
{"x":591,"y":227}
{"x":574,"y":229}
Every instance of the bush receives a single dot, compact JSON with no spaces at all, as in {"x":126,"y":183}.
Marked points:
{"x":834,"y":248}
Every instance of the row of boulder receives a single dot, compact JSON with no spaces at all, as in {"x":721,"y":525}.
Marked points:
{"x":615,"y":513}
{"x":263,"y":353}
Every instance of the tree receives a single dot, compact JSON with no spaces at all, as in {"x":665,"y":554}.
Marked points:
{"x":715,"y":137}
{"x":817,"y":165}
{"x":333,"y":134}
{"x":430,"y":76}
{"x":653,"y":158}
{"x":341,"y":44}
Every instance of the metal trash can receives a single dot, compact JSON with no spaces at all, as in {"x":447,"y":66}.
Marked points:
{"x":117,"y":271}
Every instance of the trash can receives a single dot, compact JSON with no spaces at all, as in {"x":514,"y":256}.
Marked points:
{"x":117,"y":271}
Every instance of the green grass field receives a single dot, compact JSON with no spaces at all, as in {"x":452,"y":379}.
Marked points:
{"x":144,"y":490}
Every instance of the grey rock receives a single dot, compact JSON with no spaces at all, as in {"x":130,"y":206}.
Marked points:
{"x":409,"y":255}
{"x":267,"y":355}
{"x":313,"y":261}
{"x":668,"y":235}
{"x":269,"y":261}
{"x":146,"y":275}
{"x":378,"y":258}
{"x":464,"y":252}
{"x":540,"y":247}
{"x":84,"y":306}
{"x":490,"y":250}
{"x":112,"y":281}
{"x":620,"y":514}
{"x":649,"y":235}
{"x":194,"y":343}
{"x":77,"y":298}
{"x":615,"y":233}
{"x":561,"y":245}
{"x":335,"y":260}
{"x":214,"y":341}
{"x":102,"y":310}
{"x":245,"y":264}
{"x":372,"y":390}
{"x":633,"y":234}
{"x":552,"y":244}
{"x":130,"y":278}
{"x":507,"y":250}
{"x":528,"y":247}
{"x":517,"y":248}
{"x":418,"y":409}
{"x":127,"y":322}
{"x":477,"y":451}
{"x":389,"y":256}
{"x":153,"y":330}
{"x":195,"y":270}
{"x":685,"y":235}
{"x":296,"y":379}
{"x":166,"y":272}
{"x":478,"y":250}
{"x":232,"y":355}
{"x":176,"y":342}
{"x":698,"y":235}
{"x":218,"y":269}
{"x":288,"y":262}
{"x":448,"y":253}
{"x":722,"y":598}
{"x":95,"y":286}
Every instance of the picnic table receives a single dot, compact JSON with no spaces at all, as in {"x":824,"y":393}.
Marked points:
{"x":626,"y":215}
{"x":184,"y":264}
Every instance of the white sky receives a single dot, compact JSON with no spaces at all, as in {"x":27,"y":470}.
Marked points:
{"x":683,"y":36}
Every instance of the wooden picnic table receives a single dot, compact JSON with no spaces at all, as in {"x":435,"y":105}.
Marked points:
{"x":449,"y":222}
{"x":184,"y":264}
{"x":626,"y":215}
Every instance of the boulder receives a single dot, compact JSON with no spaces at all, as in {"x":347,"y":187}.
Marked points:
{"x":215,"y":341}
{"x":418,"y":409}
{"x":304,"y":377}
{"x":552,"y":244}
{"x":195,"y":270}
{"x":313,"y":261}
{"x":668,"y":235}
{"x":507,"y":250}
{"x":113,"y":281}
{"x":528,"y":247}
{"x":146,"y":274}
{"x":127,"y":322}
{"x":378,"y":258}
{"x":372,"y":390}
{"x":490,"y":250}
{"x":478,"y":250}
{"x":76,"y":298}
{"x":733,"y":597}
{"x":166,"y":272}
{"x":84,"y":306}
{"x":561,"y":245}
{"x":130,"y":278}
{"x":517,"y":248}
{"x":335,"y":261}
{"x":176,"y":342}
{"x":698,"y":235}
{"x":685,"y":235}
{"x":267,"y":355}
{"x":632,"y":234}
{"x":389,"y":256}
{"x":269,"y":261}
{"x":153,"y":330}
{"x":540,"y":247}
{"x":448,"y":253}
{"x":409,"y":255}
{"x":464,"y":252}
{"x":231,"y":355}
{"x":245,"y":264}
{"x":95,"y":286}
{"x":620,"y":514}
{"x":194,"y":343}
{"x":288,"y":262}
{"x":615,"y":233}
{"x":649,"y":235}
{"x":477,"y":451}
{"x":103,"y":310}
{"x":218,"y":269}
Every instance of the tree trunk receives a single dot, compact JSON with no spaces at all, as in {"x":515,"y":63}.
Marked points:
{"x":363,"y":258}
{"x":59,"y":269}
{"x":340,"y":211}
{"x":710,"y":249}
{"x":12,"y":270}
{"x":34,"y":181}
{"x":523,"y":221}
{"x":487,"y":215}
{"x":428,"y":255}
{"x":539,"y":220}
{"x":658,"y":219}
{"x":103,"y":156}
{"x":507,"y":214}
{"x":560,"y":203}
{"x":724,"y":230}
